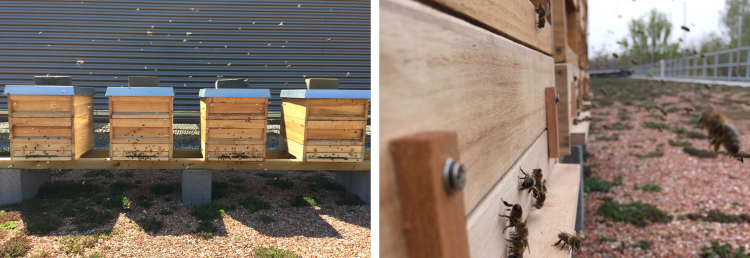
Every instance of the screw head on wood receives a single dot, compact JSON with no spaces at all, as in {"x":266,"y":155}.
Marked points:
{"x":454,"y":175}
{"x":557,"y":98}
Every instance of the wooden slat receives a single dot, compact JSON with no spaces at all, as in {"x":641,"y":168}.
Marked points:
{"x":327,"y":142}
{"x":139,"y":132}
{"x":158,"y":122}
{"x":336,"y":125}
{"x":486,"y":236}
{"x":558,"y":213}
{"x":434,"y":220}
{"x":131,"y":115}
{"x":138,"y":106}
{"x":579,"y":133}
{"x":559,"y":38}
{"x":441,"y":73}
{"x":250,"y":133}
{"x":337,"y":117}
{"x":563,"y":78}
{"x":235,"y":124}
{"x":223,"y":116}
{"x":334,"y":134}
{"x":42,"y":122}
{"x":143,"y":140}
{"x":515,"y":18}
{"x":150,"y":99}
{"x":294,"y":107}
{"x":41,"y":105}
{"x":44,"y":131}
{"x":237,"y":100}
{"x":553,"y":141}
{"x":334,"y":148}
{"x":237,"y":108}
{"x":335,"y":109}
{"x":41,"y":114}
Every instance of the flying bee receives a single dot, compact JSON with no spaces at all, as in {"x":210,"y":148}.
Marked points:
{"x":80,"y":62}
{"x":640,"y":31}
{"x":542,"y":15}
{"x":634,"y":61}
{"x":516,"y":212}
{"x":685,"y":28}
{"x":688,"y":110}
{"x":720,"y":132}
{"x":615,"y":55}
{"x":708,"y":87}
{"x":519,"y":241}
{"x":702,"y":55}
{"x":661,"y":110}
{"x":281,"y":24}
{"x":573,"y":241}
{"x":663,"y":82}
{"x":347,"y":74}
{"x":603,"y":92}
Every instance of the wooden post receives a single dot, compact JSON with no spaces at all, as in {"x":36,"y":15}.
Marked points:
{"x":434,"y":220}
{"x":552,"y":134}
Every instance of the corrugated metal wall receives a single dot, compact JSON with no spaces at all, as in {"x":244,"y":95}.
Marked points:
{"x":328,"y":39}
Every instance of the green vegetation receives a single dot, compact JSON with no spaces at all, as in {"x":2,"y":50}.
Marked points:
{"x":76,"y":244}
{"x":698,"y":153}
{"x":266,"y":252}
{"x":68,"y":190}
{"x":89,"y":219}
{"x":596,"y":184}
{"x":603,"y":239}
{"x":128,"y":174}
{"x":619,"y":126}
{"x":680,"y":143}
{"x":696,"y":135}
{"x":648,"y":188}
{"x":9,"y":225}
{"x":161,"y":189}
{"x":635,"y":213}
{"x":253,"y":204}
{"x":349,"y":200}
{"x":643,"y":244}
{"x":718,"y":216}
{"x":611,"y":138}
{"x":205,"y":230}
{"x":266,"y":219}
{"x":113,"y":202}
{"x":736,"y":203}
{"x":618,"y":180}
{"x":237,"y":180}
{"x":219,"y":190}
{"x":318,"y":181}
{"x":209,"y":211}
{"x":655,"y":126}
{"x":653,"y":154}
{"x":16,"y":246}
{"x":166,"y":212}
{"x":144,"y":201}
{"x":119,"y":187}
{"x":302,"y":201}
{"x":150,"y":224}
{"x":280,"y":183}
{"x":717,"y":250}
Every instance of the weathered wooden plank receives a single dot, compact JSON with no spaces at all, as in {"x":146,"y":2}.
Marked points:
{"x":337,"y":125}
{"x":294,"y":107}
{"x":237,"y":108}
{"x":140,"y":132}
{"x":140,"y":107}
{"x":41,"y":105}
{"x":579,"y":132}
{"x":146,"y":122}
{"x":553,"y":141}
{"x":44,"y":131}
{"x":486,"y":236}
{"x":235,"y":124}
{"x":563,"y":78}
{"x":335,"y":109}
{"x":42,"y":122}
{"x":558,"y":213}
{"x":334,"y":148}
{"x":334,"y":134}
{"x":249,"y":133}
{"x":559,"y":25}
{"x":516,"y":19}
{"x":237,"y":100}
{"x":441,"y":73}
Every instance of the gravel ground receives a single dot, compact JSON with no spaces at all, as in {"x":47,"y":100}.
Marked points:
{"x":688,"y":184}
{"x":186,"y":136}
{"x":326,"y":230}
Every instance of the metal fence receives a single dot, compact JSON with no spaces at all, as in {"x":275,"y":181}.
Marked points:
{"x":230,"y":39}
{"x":724,"y":65}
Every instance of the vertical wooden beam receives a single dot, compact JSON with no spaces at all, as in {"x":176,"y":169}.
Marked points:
{"x":552,"y":134}
{"x":434,"y":220}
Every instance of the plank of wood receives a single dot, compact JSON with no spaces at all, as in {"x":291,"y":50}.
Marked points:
{"x":140,"y":107}
{"x":553,"y":141}
{"x":337,"y":125}
{"x":334,"y":148}
{"x":236,"y":116}
{"x":158,"y":122}
{"x":44,"y":131}
{"x":337,"y":117}
{"x":559,"y":38}
{"x":151,"y":99}
{"x":498,"y":104}
{"x":140,"y":132}
{"x":296,"y":108}
{"x":516,"y":19}
{"x":441,"y":73}
{"x":237,"y":108}
{"x":134,"y":115}
{"x":236,"y":100}
{"x":40,"y":146}
{"x":573,"y":28}
{"x":42,"y":122}
{"x":335,"y":109}
{"x":235,"y":124}
{"x":83,"y":105}
{"x":485,"y":227}
{"x":563,"y":78}
{"x":434,"y":219}
{"x":37,"y":139}
{"x":41,"y":105}
{"x":143,"y":140}
{"x":579,"y":133}
{"x":334,"y":134}
{"x":558,"y":213}
{"x":39,"y":97}
{"x":296,"y":149}
{"x":249,"y":133}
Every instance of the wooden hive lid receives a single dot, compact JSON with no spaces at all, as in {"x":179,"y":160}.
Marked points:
{"x":326,"y":94}
{"x":235,"y":93}
{"x":48,"y":90}
{"x":140,"y":91}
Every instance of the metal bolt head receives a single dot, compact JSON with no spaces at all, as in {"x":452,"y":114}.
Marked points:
{"x":454,"y":175}
{"x":557,"y":98}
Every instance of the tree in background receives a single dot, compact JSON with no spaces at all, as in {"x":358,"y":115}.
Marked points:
{"x":730,"y":17}
{"x":649,"y":39}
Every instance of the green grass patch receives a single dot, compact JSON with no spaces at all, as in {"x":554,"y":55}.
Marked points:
{"x":150,"y":224}
{"x":680,"y":143}
{"x":603,"y":239}
{"x":237,"y":180}
{"x":595,"y":184}
{"x":89,"y":219}
{"x":253,"y":204}
{"x":653,"y":154}
{"x":209,"y":211}
{"x":648,"y":188}
{"x":270,"y":252}
{"x":618,"y":180}
{"x":635,"y":213}
{"x":280,"y":183}
{"x":206,"y":230}
{"x":144,"y":201}
{"x":718,"y":250}
{"x":76,"y":244}
{"x":9,"y":225}
{"x":303,"y":201}
{"x":161,"y":189}
{"x":68,"y":190}
{"x":16,"y":246}
{"x":643,"y":244}
{"x":116,"y":202}
{"x":266,"y":219}
{"x":619,"y":126}
{"x":610,"y":138}
{"x":698,"y":153}
{"x":219,"y":190}
{"x":736,"y":203}
{"x":43,"y":224}
{"x":696,"y":135}
{"x":655,"y":126}
{"x":166,"y":212}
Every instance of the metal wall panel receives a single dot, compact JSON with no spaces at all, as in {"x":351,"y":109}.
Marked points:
{"x":117,"y":39}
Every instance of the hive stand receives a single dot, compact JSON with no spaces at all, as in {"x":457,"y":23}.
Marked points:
{"x":21,"y":184}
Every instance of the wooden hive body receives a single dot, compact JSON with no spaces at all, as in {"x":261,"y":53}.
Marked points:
{"x":140,"y":123}
{"x":53,"y":125}
{"x":318,"y":128}
{"x":234,"y":128}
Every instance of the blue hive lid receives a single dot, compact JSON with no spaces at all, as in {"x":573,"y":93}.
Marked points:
{"x":326,"y":94}
{"x":48,"y":90}
{"x":140,"y":91}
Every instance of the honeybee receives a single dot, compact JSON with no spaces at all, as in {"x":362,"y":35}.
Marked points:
{"x":685,"y":28}
{"x":702,"y":55}
{"x":229,"y":64}
{"x":603,"y":92}
{"x":543,"y":15}
{"x":40,"y":33}
{"x":708,"y":87}
{"x":640,"y":31}
{"x":188,"y":33}
{"x":516,"y":212}
{"x":347,"y":74}
{"x":519,"y":241}
{"x":528,"y":181}
{"x":573,"y":241}
{"x":661,"y":110}
{"x":299,"y":5}
{"x":720,"y":132}
{"x":688,"y":110}
{"x":540,"y":194}
{"x":281,"y":24}
{"x":615,"y":55}
{"x":634,"y":61}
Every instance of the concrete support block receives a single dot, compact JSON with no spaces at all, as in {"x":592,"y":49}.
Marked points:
{"x":53,"y":80}
{"x":196,"y":186}
{"x":17,"y":185}
{"x":322,"y":84}
{"x":143,"y":81}
{"x":232,"y":84}
{"x":576,"y":157}
{"x":356,"y":183}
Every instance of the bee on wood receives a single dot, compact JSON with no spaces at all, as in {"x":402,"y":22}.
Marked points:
{"x":540,"y":194}
{"x":516,"y":212}
{"x":720,"y":132}
{"x":542,"y":15}
{"x":519,"y":241}
{"x":685,"y":28}
{"x":688,"y":110}
{"x":528,"y":181}
{"x":573,"y":241}
{"x":615,"y":55}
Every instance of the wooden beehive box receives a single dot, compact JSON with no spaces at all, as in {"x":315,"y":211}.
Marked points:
{"x":324,"y":125}
{"x":140,"y":123}
{"x":50,"y":122}
{"x":233,"y":124}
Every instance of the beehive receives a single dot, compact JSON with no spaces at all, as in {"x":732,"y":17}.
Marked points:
{"x":50,"y":122}
{"x":233,"y":124}
{"x":140,"y":123}
{"x":324,"y":125}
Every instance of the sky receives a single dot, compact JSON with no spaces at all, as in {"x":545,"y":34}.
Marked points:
{"x":605,"y":26}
